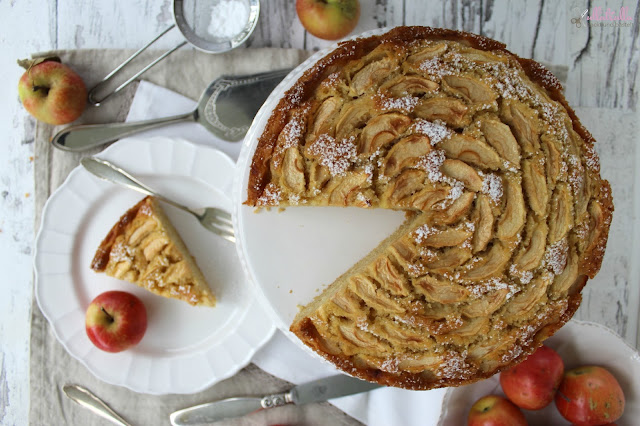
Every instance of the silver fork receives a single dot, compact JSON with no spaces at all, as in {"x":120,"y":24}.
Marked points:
{"x":214,"y":219}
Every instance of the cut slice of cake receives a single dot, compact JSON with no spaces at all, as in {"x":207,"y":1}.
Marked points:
{"x":145,"y":249}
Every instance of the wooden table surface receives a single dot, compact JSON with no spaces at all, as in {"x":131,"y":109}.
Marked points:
{"x":603,"y":65}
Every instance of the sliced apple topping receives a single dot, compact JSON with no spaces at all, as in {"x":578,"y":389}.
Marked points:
{"x":461,"y":171}
{"x":533,"y":247}
{"x":471,"y":151}
{"x":560,"y":214}
{"x":481,"y":57}
{"x":380,"y":131}
{"x":409,"y":85}
{"x":523,"y":122}
{"x":441,"y":291}
{"x":370,"y":76}
{"x":451,"y":111}
{"x":535,"y":185}
{"x":502,"y":140}
{"x":326,"y":116}
{"x":374,"y":297}
{"x":428,"y":52}
{"x":469,"y":89}
{"x":407,"y":183}
{"x":389,"y":277}
{"x":353,"y":116}
{"x":513,"y":216}
{"x":404,"y":154}
{"x":293,"y":171}
{"x":490,"y":265}
{"x":347,"y":188}
{"x":520,"y":306}
{"x":486,"y":305}
{"x":483,"y":219}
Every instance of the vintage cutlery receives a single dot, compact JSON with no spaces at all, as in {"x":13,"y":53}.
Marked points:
{"x":214,"y":219}
{"x":315,"y":391}
{"x":186,"y":14}
{"x":88,"y":400}
{"x":226,"y":108}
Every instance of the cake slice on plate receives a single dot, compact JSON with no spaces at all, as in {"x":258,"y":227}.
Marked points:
{"x":145,"y":249}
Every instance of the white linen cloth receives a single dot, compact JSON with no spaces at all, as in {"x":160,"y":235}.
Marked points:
{"x":281,"y":357}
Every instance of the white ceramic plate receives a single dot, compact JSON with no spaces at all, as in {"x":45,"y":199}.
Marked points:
{"x":185,"y":349}
{"x":578,"y":343}
{"x":291,"y":255}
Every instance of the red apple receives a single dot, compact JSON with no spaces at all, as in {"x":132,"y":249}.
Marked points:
{"x":52,"y":92}
{"x":328,"y":19}
{"x":533,"y":383}
{"x":494,"y":410}
{"x":115,"y":321}
{"x":590,"y":395}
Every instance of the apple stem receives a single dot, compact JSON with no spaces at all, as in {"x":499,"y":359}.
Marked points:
{"x":107,"y":313}
{"x":45,"y":89}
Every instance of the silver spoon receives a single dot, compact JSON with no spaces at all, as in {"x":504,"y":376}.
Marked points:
{"x":214,"y":219}
{"x":226,"y":108}
{"x":88,"y":400}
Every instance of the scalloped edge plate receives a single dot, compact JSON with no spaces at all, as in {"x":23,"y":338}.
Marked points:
{"x":578,"y":343}
{"x":185,"y":349}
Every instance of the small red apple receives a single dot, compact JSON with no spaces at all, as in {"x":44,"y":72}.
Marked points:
{"x":533,"y":383}
{"x":328,"y":19}
{"x":52,"y":92}
{"x":590,"y":395}
{"x":494,"y":410}
{"x":115,"y":321}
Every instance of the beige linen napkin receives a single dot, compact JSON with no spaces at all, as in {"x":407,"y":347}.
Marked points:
{"x":186,"y":72}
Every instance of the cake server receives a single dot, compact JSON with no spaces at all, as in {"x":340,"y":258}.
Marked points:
{"x":315,"y":391}
{"x":226,"y":108}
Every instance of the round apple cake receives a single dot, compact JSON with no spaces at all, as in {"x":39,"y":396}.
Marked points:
{"x":507,"y":215}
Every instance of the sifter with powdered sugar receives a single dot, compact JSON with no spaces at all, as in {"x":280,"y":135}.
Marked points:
{"x":212,"y":26}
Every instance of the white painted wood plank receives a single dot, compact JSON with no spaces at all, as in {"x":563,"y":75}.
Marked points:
{"x":613,"y":296}
{"x":17,"y":40}
{"x":114,"y":24}
{"x":513,"y":23}
{"x":604,"y":60}
{"x":278,"y":26}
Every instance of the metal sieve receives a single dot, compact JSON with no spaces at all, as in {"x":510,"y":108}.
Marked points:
{"x":192,"y":18}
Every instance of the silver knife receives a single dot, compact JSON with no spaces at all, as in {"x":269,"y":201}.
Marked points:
{"x":316,"y":391}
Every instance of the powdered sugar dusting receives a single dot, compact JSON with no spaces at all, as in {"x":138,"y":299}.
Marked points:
{"x":336,"y":155}
{"x":422,"y":232}
{"x":525,"y":277}
{"x":431,"y":164}
{"x":270,"y":197}
{"x":390,"y":365}
{"x":405,"y":104}
{"x":437,"y":131}
{"x":455,"y":366}
{"x":492,"y":186}
{"x":555,"y":257}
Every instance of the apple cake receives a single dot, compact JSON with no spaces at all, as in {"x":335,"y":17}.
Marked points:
{"x":145,"y":249}
{"x":507,"y":215}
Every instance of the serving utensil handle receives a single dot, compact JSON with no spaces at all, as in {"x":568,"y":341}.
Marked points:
{"x":86,"y":136}
{"x":227,"y":408}
{"x":92,"y":93}
{"x":88,"y":400}
{"x":112,"y":173}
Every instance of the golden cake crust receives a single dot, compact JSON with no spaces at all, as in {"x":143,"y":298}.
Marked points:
{"x":144,"y":248}
{"x":561,"y":263}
